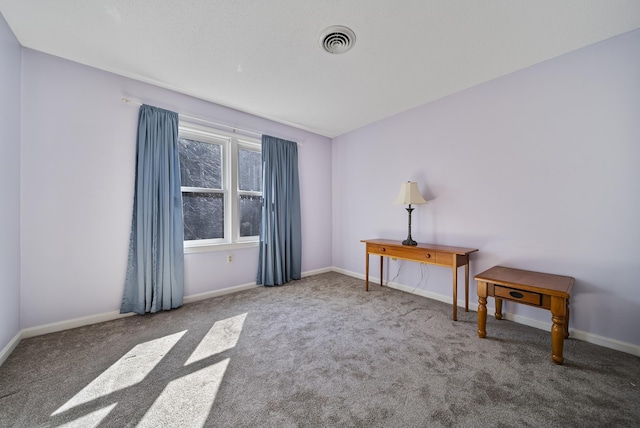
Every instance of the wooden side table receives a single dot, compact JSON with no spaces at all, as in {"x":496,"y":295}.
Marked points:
{"x":538,"y":289}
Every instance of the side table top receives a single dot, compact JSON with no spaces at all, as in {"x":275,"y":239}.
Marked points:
{"x":558,"y":284}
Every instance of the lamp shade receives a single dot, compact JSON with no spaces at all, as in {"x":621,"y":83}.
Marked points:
{"x":409,"y":194}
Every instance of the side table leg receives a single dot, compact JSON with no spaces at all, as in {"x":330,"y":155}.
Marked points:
{"x":482,"y":309}
{"x":381,"y":274}
{"x":558,"y":309}
{"x":498,"y":308}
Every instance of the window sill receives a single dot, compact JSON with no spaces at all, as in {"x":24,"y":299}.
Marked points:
{"x":195,"y":248}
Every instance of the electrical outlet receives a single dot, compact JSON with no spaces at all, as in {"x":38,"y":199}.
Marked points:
{"x":230,"y":258}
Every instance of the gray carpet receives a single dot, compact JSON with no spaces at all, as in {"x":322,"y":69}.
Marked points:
{"x":319,"y":352}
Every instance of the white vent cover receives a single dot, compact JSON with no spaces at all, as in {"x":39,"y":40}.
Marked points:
{"x":337,"y":39}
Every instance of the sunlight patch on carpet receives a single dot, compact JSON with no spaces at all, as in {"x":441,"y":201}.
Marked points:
{"x":132,"y":368}
{"x":222,"y":336}
{"x":186,"y":401}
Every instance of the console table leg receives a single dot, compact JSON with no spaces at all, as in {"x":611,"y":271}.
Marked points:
{"x":381,"y":274}
{"x":466,"y":287}
{"x":566,"y":322}
{"x":558,"y":310}
{"x":455,"y":289}
{"x":366,"y":281}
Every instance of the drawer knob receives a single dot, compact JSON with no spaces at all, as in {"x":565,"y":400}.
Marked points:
{"x":384,"y":249}
{"x":516,"y":294}
{"x":428,"y":256}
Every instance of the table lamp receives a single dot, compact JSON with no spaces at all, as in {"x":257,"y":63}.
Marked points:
{"x":409,"y":194}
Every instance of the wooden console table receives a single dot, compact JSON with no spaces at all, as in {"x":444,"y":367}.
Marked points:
{"x":441,"y":255}
{"x":543,"y":290}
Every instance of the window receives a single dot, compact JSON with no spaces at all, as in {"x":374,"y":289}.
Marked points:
{"x":221,"y":183}
{"x":249,"y":189}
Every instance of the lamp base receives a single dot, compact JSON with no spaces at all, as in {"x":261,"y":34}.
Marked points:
{"x":409,"y":241}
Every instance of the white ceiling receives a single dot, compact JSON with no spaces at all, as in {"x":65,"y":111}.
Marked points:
{"x":264,"y":57}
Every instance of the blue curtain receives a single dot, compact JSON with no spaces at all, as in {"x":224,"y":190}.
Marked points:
{"x":155,"y":272}
{"x":280,"y":237}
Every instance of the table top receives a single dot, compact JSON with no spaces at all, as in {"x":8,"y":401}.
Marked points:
{"x":554,"y":284}
{"x":434,"y":247}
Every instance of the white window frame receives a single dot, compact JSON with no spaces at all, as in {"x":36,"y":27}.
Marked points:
{"x":231,"y":144}
{"x":247,"y":144}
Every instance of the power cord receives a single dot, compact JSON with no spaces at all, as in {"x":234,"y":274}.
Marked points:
{"x":422,"y":277}
{"x":400,"y":269}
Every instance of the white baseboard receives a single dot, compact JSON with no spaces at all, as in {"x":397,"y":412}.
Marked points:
{"x":585,"y":336}
{"x":235,"y":289}
{"x":316,"y":272}
{"x":72,"y":323}
{"x":218,"y":293}
{"x":10,"y":347}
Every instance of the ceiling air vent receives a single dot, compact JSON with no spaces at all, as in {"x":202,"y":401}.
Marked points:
{"x":337,"y":39}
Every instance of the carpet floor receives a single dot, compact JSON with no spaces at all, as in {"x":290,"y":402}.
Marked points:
{"x":319,"y":352}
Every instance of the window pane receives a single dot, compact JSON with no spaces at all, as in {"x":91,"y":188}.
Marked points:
{"x":200,"y":164}
{"x":249,"y":170}
{"x":249,"y":215}
{"x":203,"y":215}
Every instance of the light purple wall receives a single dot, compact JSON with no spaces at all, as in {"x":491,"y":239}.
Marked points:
{"x":10,"y":59}
{"x":538,"y":169}
{"x":78,"y":154}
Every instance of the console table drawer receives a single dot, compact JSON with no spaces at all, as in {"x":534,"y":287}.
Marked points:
{"x":412,"y":253}
{"x":518,"y":295}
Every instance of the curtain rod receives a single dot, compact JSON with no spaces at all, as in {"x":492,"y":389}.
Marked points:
{"x":233,"y":128}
